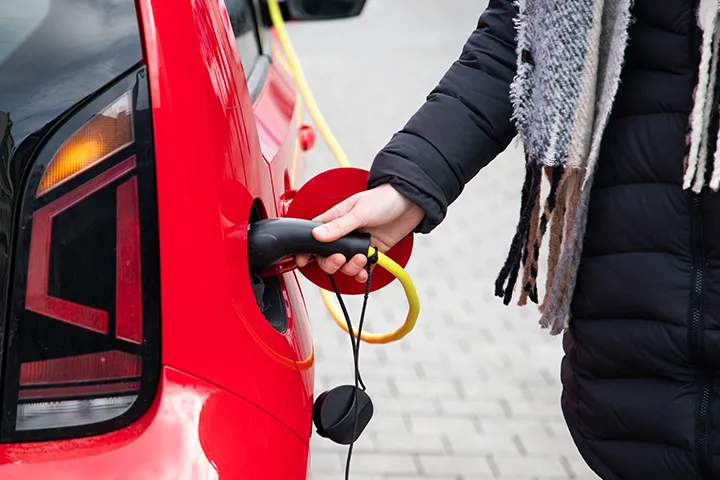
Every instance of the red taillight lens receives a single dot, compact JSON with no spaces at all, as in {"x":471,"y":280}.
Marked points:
{"x":37,"y":298}
{"x":83,"y":351}
{"x":81,"y":369}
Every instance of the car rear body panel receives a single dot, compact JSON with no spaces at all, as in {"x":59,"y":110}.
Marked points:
{"x":194,"y":431}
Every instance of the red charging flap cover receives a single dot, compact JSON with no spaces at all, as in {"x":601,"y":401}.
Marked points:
{"x":321,"y":193}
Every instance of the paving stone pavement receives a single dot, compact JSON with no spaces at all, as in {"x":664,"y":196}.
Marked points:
{"x":473,"y":392}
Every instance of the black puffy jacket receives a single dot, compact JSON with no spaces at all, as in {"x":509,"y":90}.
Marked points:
{"x":641,"y":370}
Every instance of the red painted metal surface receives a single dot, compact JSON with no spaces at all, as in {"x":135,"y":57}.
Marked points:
{"x":194,"y":431}
{"x":211,"y":166}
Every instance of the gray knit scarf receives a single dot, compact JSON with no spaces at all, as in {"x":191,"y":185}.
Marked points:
{"x":570,"y":57}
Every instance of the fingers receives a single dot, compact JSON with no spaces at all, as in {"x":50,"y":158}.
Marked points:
{"x":354,"y":268}
{"x":302,"y":260}
{"x":362,"y":276}
{"x":355,"y":265}
{"x":336,"y":263}
{"x":338,"y":221}
{"x":337,"y":228}
{"x":332,"y":264}
{"x":341,"y":222}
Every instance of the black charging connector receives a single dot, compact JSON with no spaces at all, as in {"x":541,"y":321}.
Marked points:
{"x":272,"y":240}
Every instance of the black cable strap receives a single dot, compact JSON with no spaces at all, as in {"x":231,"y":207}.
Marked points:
{"x":355,"y":343}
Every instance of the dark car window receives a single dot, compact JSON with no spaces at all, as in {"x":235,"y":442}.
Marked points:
{"x":243,"y":21}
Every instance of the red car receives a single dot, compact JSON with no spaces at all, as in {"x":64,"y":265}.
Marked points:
{"x":137,"y":140}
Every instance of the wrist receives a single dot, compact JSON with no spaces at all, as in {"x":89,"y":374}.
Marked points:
{"x":427,"y":210}
{"x":409,"y":208}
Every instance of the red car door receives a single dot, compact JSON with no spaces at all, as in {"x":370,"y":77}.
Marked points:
{"x":276,"y":158}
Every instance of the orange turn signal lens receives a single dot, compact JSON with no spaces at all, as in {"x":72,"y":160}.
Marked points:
{"x":103,"y":135}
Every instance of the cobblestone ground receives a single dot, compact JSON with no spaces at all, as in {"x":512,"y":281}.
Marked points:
{"x":473,"y":392}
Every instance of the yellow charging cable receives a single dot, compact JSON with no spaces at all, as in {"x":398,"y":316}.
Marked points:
{"x":382,"y":260}
{"x":412,"y":297}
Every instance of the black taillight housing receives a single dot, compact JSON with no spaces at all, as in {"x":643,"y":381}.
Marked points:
{"x":82,"y":337}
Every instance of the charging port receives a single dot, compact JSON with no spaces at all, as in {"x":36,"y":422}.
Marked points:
{"x":269,"y":291}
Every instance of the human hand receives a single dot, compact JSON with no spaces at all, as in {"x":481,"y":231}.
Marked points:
{"x":382,"y":212}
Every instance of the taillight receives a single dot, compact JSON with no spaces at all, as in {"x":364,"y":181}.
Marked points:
{"x":83,"y":347}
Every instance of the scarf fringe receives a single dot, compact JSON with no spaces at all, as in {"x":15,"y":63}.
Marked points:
{"x":538,"y":227}
{"x":505,"y":283}
{"x":529,"y":252}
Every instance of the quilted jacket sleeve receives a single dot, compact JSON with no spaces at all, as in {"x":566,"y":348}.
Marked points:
{"x":463,"y":125}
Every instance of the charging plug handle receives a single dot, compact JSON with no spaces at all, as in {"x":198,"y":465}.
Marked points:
{"x":271,"y":240}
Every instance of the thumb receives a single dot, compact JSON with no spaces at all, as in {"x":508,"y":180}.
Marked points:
{"x":338,"y":227}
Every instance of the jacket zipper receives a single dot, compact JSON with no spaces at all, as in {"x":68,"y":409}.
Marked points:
{"x":696,"y":326}
{"x":697,"y":298}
